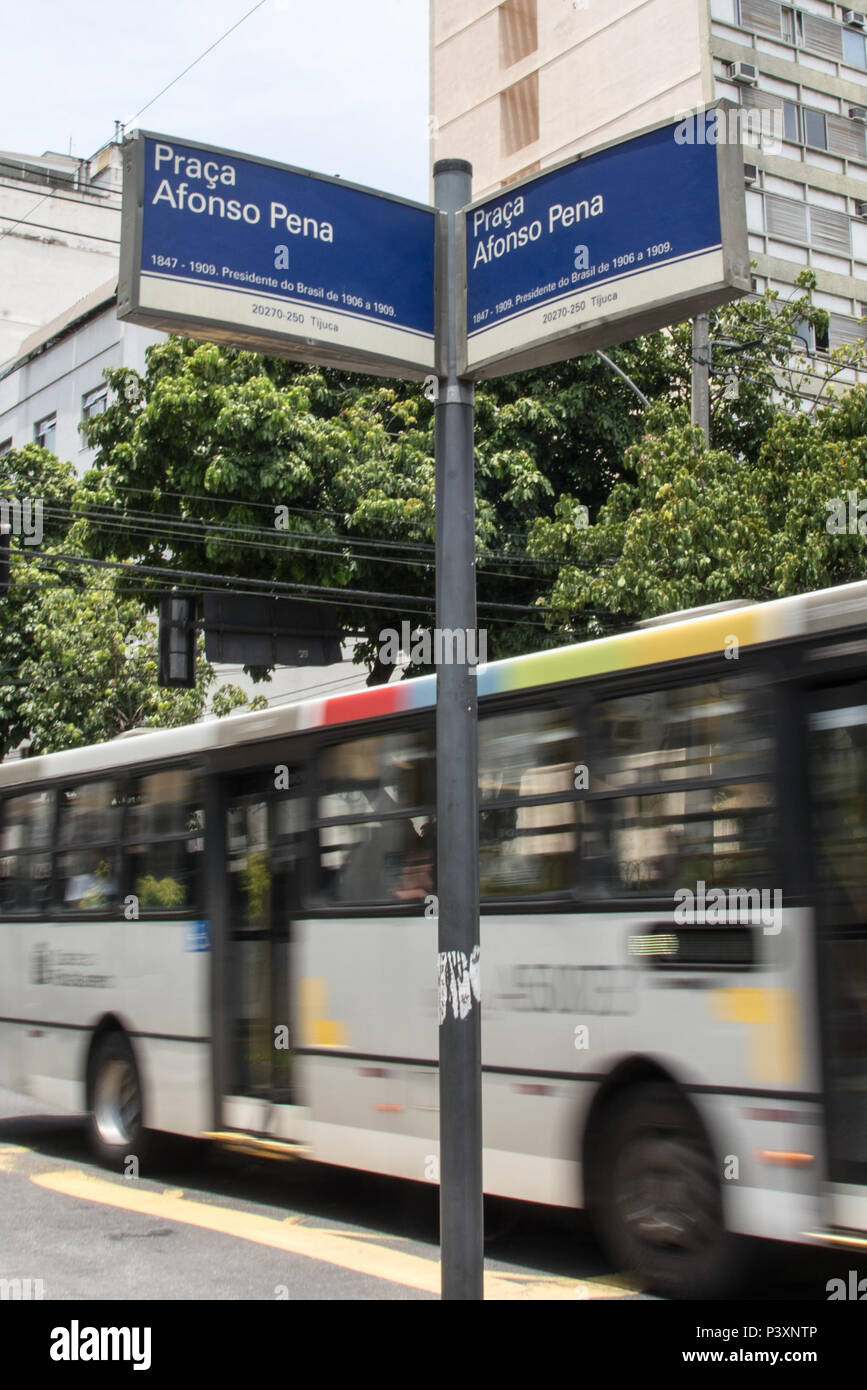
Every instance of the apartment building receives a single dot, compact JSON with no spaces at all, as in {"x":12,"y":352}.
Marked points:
{"x":59,"y":236}
{"x":55,"y":382}
{"x":524,"y":84}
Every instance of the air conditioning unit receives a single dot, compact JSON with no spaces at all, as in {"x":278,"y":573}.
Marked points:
{"x":747,"y":73}
{"x":861,"y":210}
{"x":751,"y":174}
{"x":854,"y":19}
{"x":858,"y":113}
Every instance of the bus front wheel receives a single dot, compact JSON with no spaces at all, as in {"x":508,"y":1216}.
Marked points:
{"x":117,"y":1134}
{"x":659,"y":1210}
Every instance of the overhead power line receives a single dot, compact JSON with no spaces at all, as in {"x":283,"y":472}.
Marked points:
{"x":270,"y":586}
{"x":123,"y":125}
{"x":195,"y":62}
{"x":195,"y":530}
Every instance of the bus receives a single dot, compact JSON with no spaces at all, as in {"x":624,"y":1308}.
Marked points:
{"x":230,"y":930}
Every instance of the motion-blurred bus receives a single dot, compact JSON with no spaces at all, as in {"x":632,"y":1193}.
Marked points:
{"x":230,"y":930}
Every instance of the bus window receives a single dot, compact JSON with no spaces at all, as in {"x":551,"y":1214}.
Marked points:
{"x":375,"y":822}
{"x":720,"y":729}
{"x":691,"y":767}
{"x":26,"y":827}
{"x":529,"y":820}
{"x":87,"y":869}
{"x":165,"y":840}
{"x":838,"y":769}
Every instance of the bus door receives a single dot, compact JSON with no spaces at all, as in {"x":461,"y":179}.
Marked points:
{"x":262,"y":849}
{"x":837,"y":761}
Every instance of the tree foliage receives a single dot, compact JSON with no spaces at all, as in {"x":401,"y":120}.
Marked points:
{"x":591,"y":512}
{"x":79,"y":653}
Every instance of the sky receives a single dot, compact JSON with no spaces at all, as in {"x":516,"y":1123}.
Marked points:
{"x":335,"y":86}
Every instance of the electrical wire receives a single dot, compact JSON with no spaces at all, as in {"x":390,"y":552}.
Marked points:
{"x":139,"y":522}
{"x":142,"y":109}
{"x":268,"y":586}
{"x":195,"y":62}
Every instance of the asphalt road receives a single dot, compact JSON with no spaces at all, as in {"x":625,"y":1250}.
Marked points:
{"x":212,"y":1224}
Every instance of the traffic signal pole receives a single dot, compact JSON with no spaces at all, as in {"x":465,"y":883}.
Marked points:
{"x":460,"y":1039}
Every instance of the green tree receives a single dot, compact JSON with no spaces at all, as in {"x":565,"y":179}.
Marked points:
{"x":91,"y":671}
{"x":216,"y":460}
{"x":220,"y":461}
{"x":702,"y":525}
{"x":29,"y":474}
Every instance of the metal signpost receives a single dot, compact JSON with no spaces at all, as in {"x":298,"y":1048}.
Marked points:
{"x":460,"y":1050}
{"x":260,"y":255}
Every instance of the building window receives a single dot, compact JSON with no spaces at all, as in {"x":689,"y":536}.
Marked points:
{"x":5,"y":447}
{"x":791,"y":28}
{"x":519,"y":31}
{"x":792,"y":122}
{"x":854,"y":49}
{"x":822,"y":36}
{"x":815,"y":129}
{"x":44,"y":432}
{"x":830,"y":231}
{"x":786,"y":218}
{"x":763,"y":17}
{"x":94,"y":402}
{"x":843,"y":330}
{"x":519,"y":114}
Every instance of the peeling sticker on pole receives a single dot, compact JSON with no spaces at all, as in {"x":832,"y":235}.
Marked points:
{"x":459,"y":983}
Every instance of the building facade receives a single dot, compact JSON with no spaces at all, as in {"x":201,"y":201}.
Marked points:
{"x":56,"y":381}
{"x":59,"y":236}
{"x":521,"y":85}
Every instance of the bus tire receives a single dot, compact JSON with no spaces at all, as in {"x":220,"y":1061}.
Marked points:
{"x":658,"y":1208}
{"x":115,"y":1116}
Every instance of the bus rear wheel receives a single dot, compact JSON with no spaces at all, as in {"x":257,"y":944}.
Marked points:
{"x":115,"y":1103}
{"x":659,"y":1210}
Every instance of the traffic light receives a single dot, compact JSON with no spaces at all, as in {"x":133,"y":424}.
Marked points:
{"x":4,"y":560}
{"x":177,"y":664}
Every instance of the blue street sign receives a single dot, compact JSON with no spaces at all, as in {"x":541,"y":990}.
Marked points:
{"x":260,"y":255}
{"x":617,"y":242}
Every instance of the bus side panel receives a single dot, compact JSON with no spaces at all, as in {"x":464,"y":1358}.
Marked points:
{"x":365,"y":1001}
{"x":12,"y":1072}
{"x":152,"y":978}
{"x":566,"y":1002}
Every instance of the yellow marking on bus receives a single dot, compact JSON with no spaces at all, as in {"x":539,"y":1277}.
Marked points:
{"x":774,"y":1052}
{"x":10,"y":1156}
{"x":238,"y":1141}
{"x":316,"y":1029}
{"x":347,"y":1252}
{"x":830,"y":1238}
{"x":670,"y":643}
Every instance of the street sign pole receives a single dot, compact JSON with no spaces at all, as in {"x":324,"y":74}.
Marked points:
{"x":701,"y":375}
{"x":460,"y":1040}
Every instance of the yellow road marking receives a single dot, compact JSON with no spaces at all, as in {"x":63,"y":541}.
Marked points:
{"x":380,"y":1262}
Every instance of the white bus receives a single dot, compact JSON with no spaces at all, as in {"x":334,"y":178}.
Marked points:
{"x":229,"y":929}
